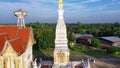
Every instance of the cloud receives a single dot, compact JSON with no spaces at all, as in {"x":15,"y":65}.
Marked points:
{"x":36,"y":11}
{"x":89,"y":1}
{"x":78,"y":6}
{"x":112,"y":11}
{"x":46,"y":10}
{"x":114,"y":0}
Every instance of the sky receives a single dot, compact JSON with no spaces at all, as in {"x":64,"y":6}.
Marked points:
{"x":46,"y":11}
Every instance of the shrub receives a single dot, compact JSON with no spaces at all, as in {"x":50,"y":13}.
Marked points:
{"x":113,"y":50}
{"x":95,"y":43}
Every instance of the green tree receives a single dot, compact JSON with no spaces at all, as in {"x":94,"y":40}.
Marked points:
{"x":71,"y":38}
{"x":44,"y":35}
{"x":46,"y":39}
{"x":95,"y":43}
{"x":79,"y":28}
{"x":116,"y":31}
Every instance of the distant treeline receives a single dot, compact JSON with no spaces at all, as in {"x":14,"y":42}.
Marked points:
{"x":97,"y":30}
{"x":45,"y":32}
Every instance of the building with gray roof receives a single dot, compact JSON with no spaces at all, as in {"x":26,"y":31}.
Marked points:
{"x":110,"y":41}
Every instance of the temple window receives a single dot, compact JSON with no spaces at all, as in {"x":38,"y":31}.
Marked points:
{"x":16,"y":63}
{"x":0,"y":63}
{"x":5,"y":63}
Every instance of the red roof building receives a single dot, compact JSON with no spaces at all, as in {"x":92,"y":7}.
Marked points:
{"x":18,"y":38}
{"x":16,"y":42}
{"x":84,"y":39}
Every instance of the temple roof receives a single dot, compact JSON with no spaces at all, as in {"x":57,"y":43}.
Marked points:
{"x":10,"y":30}
{"x":17,"y":37}
{"x":3,"y":38}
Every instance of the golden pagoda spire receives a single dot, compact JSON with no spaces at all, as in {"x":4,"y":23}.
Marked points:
{"x":60,"y":3}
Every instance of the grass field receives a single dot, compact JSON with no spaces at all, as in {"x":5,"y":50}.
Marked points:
{"x":103,"y":60}
{"x":76,"y":50}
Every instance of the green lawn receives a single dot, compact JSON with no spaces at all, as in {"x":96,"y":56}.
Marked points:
{"x":95,"y":53}
{"x":49,"y":52}
{"x":76,"y":50}
{"x":84,"y":50}
{"x":46,"y":52}
{"x":116,"y":55}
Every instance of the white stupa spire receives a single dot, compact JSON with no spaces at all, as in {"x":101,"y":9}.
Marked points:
{"x":61,"y":52}
{"x":61,"y":34}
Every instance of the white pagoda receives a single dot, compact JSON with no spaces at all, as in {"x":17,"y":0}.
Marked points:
{"x":61,"y":52}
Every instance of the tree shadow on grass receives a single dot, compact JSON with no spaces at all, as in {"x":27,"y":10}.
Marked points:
{"x":40,"y":55}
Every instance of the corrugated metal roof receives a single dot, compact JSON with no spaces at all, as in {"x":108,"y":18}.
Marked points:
{"x":90,"y":35}
{"x":79,"y":35}
{"x":111,"y":38}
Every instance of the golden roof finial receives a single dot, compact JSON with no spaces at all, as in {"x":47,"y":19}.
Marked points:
{"x":60,"y":3}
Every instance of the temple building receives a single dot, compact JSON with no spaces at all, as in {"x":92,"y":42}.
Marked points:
{"x":16,"y":47}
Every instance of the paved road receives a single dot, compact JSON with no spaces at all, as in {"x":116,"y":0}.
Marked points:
{"x":110,"y":60}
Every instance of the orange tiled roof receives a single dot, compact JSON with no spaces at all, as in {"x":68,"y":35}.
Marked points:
{"x":18,"y":46}
{"x":24,"y":33}
{"x":3,"y":38}
{"x":18,"y":38}
{"x":11,"y":30}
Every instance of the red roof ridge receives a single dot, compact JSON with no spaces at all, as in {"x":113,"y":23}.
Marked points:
{"x":22,"y":35}
{"x":3,"y":39}
{"x":16,"y":33}
{"x":11,"y":30}
{"x":5,"y":34}
{"x":14,"y":39}
{"x":18,"y":46}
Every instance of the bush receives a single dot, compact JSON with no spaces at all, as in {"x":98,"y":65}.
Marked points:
{"x":71,"y":37}
{"x":95,"y":43}
{"x":113,"y":50}
{"x":72,"y":47}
